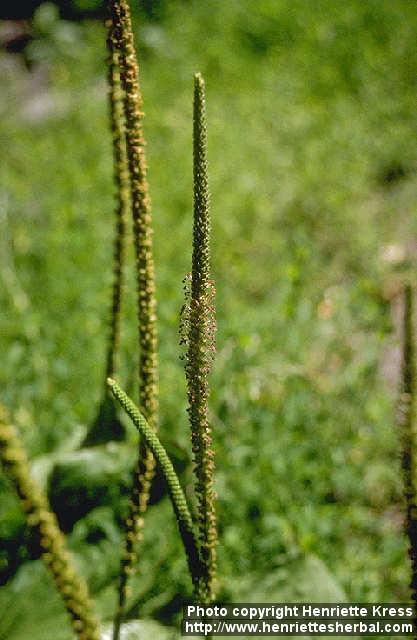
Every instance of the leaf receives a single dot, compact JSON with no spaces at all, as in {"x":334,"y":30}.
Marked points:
{"x":87,"y":479}
{"x":96,"y":542}
{"x":143,"y":629}
{"x":42,"y":466}
{"x":12,"y":533}
{"x":305,"y":578}
{"x":31,"y":608}
{"x":106,"y":427}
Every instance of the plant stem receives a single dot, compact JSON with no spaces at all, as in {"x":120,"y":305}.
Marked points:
{"x":121,"y":180}
{"x":106,"y":425}
{"x":142,"y":225}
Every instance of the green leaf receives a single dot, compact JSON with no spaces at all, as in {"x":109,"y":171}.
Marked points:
{"x":106,"y":427}
{"x":96,"y":543}
{"x":87,"y":479}
{"x":31,"y":608}
{"x":304,"y":578}
{"x":143,"y":629}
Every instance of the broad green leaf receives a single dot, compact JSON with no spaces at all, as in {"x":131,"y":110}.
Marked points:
{"x":304,"y":578}
{"x":31,"y":608}
{"x":143,"y":629}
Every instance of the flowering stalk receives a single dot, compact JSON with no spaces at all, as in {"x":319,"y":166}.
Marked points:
{"x":200,"y":318}
{"x":50,"y":540}
{"x":142,"y":225}
{"x":407,"y":423}
{"x":182,"y":513}
{"x":121,"y":180}
{"x":106,"y":425}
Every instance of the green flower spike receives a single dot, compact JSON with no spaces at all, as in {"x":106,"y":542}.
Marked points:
{"x":44,"y":528}
{"x":199,"y":321}
{"x":182,"y":513}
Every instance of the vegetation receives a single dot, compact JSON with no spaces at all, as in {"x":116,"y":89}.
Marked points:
{"x":129,"y":166}
{"x":312,"y":123}
{"x":198,"y":334}
{"x":106,"y":425}
{"x":122,"y":42}
{"x":184,"y":519}
{"x":47,"y":535}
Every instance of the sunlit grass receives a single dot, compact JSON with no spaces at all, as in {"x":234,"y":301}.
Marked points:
{"x":312,"y":158}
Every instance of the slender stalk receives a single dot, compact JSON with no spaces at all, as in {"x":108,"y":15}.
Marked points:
{"x":200,"y":353}
{"x":142,"y":225}
{"x":407,"y":423}
{"x":121,"y":180}
{"x":182,"y":513}
{"x":106,"y":425}
{"x":50,"y":540}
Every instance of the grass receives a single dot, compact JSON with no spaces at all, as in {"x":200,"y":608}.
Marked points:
{"x":311,"y":115}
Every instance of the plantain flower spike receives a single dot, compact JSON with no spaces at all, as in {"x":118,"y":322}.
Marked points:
{"x":107,"y":425}
{"x":121,"y":180}
{"x":199,"y":318}
{"x":179,"y":502}
{"x":408,"y":431}
{"x":50,"y":540}
{"x":142,"y":225}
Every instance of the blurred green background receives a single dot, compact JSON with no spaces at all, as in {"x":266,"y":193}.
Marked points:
{"x":312,"y":128}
